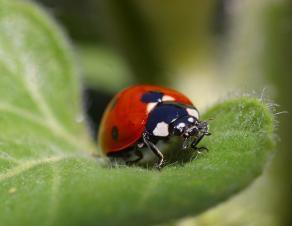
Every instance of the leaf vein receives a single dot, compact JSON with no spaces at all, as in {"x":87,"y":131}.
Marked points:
{"x":29,"y":165}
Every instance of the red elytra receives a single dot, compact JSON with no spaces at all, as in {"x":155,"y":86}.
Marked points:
{"x":124,"y":119}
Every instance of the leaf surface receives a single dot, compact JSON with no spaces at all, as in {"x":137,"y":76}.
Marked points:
{"x":47,"y":176}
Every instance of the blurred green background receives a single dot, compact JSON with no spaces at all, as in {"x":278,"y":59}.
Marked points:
{"x":206,"y":49}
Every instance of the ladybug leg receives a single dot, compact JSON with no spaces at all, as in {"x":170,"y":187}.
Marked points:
{"x":195,"y":142}
{"x":199,"y":149}
{"x":139,"y":154}
{"x":155,"y":150}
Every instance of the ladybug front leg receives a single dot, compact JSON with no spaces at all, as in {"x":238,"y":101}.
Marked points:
{"x":154,"y":149}
{"x":195,"y":142}
{"x":199,"y":150}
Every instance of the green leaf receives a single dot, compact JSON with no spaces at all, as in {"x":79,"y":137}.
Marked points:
{"x":38,"y":84}
{"x":48,"y":177}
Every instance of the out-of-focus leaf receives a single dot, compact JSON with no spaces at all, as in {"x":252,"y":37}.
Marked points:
{"x":103,"y":69}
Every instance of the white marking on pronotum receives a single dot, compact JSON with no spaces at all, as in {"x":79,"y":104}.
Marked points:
{"x":190,"y":119}
{"x":181,"y":125}
{"x":193,"y":112}
{"x":150,"y":106}
{"x":167,"y":98}
{"x":161,"y":129}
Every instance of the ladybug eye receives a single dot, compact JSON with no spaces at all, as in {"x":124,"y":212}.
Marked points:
{"x":193,"y":132}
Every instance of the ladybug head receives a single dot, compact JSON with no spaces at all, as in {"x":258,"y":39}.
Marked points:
{"x":189,"y":128}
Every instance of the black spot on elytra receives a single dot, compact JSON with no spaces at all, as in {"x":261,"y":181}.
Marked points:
{"x":152,"y":97}
{"x":115,"y":133}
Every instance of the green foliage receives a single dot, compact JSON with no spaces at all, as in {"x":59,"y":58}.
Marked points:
{"x":47,"y":175}
{"x":103,"y":69}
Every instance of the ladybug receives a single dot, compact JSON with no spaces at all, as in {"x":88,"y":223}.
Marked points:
{"x":142,"y":115}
